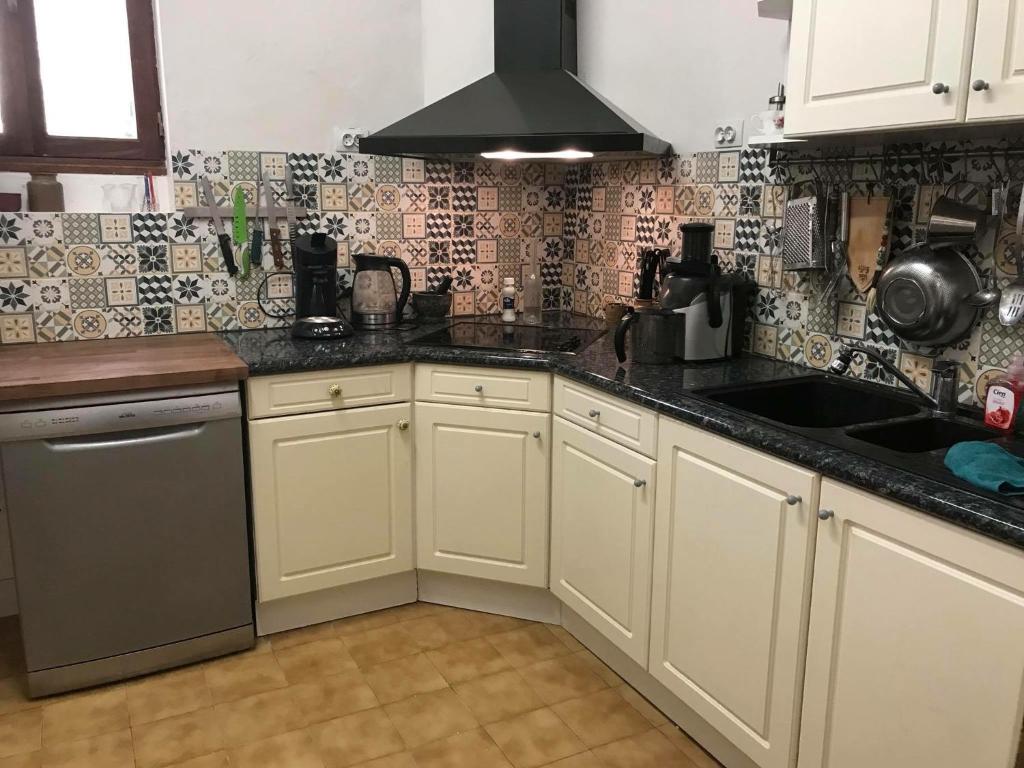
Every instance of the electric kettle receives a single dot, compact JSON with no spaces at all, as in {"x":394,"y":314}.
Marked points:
{"x":376,"y":300}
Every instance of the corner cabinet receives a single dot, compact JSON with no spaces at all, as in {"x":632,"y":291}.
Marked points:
{"x":914,"y":654}
{"x":331,"y":489}
{"x":733,"y":549}
{"x":602,"y":525}
{"x":482,"y":492}
{"x":997,"y":70}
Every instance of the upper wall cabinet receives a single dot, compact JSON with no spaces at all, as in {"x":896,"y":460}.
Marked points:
{"x":997,"y":70}
{"x":878,"y":64}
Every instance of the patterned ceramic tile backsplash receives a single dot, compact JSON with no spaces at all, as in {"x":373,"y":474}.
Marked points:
{"x":75,"y":276}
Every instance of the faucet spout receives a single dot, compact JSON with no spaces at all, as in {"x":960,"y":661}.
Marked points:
{"x":945,"y":375}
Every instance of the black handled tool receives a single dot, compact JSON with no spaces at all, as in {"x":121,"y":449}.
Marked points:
{"x":223,"y":238}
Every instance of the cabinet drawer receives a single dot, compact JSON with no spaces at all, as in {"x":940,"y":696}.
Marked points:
{"x":494,"y":387}
{"x":616,"y":419}
{"x":293,"y":393}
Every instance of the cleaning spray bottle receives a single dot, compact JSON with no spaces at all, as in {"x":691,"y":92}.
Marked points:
{"x":1004,"y":396}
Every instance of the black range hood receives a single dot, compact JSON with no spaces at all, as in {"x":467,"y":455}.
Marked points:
{"x":533,"y":102}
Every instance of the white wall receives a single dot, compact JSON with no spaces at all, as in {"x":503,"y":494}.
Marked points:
{"x":678,"y":66}
{"x":458,"y":44}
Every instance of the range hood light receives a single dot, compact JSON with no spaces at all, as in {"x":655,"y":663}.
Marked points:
{"x":562,"y":154}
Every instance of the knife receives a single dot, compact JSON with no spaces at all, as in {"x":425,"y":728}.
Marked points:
{"x":218,"y":226}
{"x":240,"y":230}
{"x":289,"y":189}
{"x":256,"y":252}
{"x":275,"y":232}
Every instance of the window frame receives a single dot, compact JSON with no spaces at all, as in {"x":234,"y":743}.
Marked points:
{"x":25,"y":145}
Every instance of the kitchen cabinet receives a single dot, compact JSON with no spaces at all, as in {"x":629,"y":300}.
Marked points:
{"x":482,"y":492}
{"x":733,"y":546}
{"x":914,"y":652}
{"x":997,"y":69}
{"x":331,"y":497}
{"x":602,"y":502}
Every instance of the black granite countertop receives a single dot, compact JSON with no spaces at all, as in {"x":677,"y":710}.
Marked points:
{"x":666,"y":389}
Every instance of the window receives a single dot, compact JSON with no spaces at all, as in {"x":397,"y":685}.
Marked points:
{"x":78,"y":87}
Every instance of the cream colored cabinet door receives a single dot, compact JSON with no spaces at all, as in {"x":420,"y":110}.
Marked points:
{"x":733,"y":548}
{"x":602,"y":524}
{"x":873,"y":64}
{"x":914,"y":654}
{"x":482,"y":492}
{"x":331,"y":498}
{"x":997,"y":72}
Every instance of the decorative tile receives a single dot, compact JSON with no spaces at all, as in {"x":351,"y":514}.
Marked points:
{"x":190,"y":319}
{"x":851,"y":321}
{"x":243,"y":165}
{"x":304,"y":167}
{"x":51,"y":294}
{"x":15,"y":296}
{"x":121,"y":291}
{"x":44,"y":228}
{"x":17,"y":328}
{"x":79,"y":228}
{"x":186,"y":194}
{"x":47,"y":261}
{"x":728,"y":166}
{"x":413,"y":170}
{"x":13,"y":262}
{"x":115,"y":228}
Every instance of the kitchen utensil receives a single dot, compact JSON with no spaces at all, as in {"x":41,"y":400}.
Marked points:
{"x":430,"y":305}
{"x":954,"y":223}
{"x":257,"y":233}
{"x":801,"y":239}
{"x":444,"y":286}
{"x":275,"y":231}
{"x":650,"y":261}
{"x":838,"y":263}
{"x":239,"y":229}
{"x":869,"y":224}
{"x":290,"y":200}
{"x":932,"y":296}
{"x":223,"y":239}
{"x":697,"y":242}
{"x":376,"y":300}
{"x":1011,"y":304}
{"x":316,"y":289}
{"x":657,"y":336}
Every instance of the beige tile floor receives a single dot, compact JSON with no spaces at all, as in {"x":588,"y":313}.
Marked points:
{"x":420,"y":686}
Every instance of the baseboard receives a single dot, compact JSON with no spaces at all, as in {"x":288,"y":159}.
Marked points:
{"x":532,"y":603}
{"x":695,"y":726}
{"x":337,"y":603}
{"x":8,"y":598}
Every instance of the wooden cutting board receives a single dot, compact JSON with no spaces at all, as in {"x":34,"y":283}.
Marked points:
{"x":868,"y":235}
{"x":29,"y":371}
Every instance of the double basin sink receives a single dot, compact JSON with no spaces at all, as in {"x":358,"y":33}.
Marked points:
{"x":866,"y":419}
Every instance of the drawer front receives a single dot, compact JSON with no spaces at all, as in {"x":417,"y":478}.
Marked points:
{"x":493,"y":387}
{"x":625,"y":423}
{"x":293,"y":393}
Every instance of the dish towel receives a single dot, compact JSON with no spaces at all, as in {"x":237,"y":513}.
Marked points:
{"x":987,"y":466}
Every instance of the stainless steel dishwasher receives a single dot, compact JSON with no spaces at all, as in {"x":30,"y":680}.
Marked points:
{"x":128,"y":524}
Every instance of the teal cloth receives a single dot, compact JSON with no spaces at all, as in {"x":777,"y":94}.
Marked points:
{"x":987,"y":466}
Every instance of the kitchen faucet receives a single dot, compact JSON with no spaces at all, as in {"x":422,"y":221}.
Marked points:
{"x":945,"y":376}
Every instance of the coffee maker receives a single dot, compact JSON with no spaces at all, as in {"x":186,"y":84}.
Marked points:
{"x":315,"y":258}
{"x":713,"y":303}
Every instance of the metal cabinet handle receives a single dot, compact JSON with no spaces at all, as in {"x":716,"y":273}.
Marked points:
{"x":793,"y":500}
{"x":537,"y":435}
{"x":826,"y":514}
{"x":478,"y":388}
{"x":979,"y":85}
{"x":638,"y":483}
{"x":334,"y":390}
{"x":403,"y":424}
{"x":594,"y":413}
{"x":940,"y":88}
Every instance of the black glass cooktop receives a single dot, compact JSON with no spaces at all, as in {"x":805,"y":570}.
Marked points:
{"x":524,"y":338}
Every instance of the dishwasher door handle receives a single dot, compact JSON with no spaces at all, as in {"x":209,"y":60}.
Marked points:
{"x":124,"y":439}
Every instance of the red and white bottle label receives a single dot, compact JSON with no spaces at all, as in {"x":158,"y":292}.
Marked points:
{"x":1000,"y":407}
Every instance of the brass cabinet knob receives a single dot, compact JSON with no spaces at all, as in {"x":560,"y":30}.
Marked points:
{"x":334,"y":390}
{"x":403,"y":424}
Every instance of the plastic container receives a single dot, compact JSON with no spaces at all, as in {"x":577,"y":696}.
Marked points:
{"x":508,"y":300}
{"x":1004,"y":395}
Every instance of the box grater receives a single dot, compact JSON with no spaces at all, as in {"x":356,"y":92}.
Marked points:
{"x":801,"y":235}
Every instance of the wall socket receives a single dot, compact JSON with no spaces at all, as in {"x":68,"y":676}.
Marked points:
{"x":728,"y":133}
{"x":347,"y":139}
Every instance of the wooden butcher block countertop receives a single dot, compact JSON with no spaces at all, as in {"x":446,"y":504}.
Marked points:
{"x":32,"y":371}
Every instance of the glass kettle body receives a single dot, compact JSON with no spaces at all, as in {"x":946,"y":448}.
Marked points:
{"x":376,"y":299}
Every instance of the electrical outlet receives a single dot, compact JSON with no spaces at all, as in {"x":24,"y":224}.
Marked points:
{"x":728,"y":133}
{"x":347,"y":139}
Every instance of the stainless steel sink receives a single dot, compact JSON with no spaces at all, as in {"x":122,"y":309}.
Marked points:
{"x":922,"y":435}
{"x":815,"y":402}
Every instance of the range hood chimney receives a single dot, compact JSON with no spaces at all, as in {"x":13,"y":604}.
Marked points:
{"x":532,"y":105}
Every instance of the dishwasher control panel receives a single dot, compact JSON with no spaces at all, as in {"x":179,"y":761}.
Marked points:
{"x":118,"y":417}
